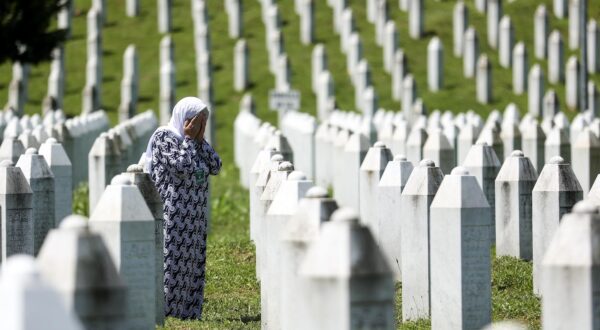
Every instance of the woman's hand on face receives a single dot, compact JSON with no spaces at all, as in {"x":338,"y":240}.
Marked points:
{"x":203,"y":119}
{"x":192,"y":127}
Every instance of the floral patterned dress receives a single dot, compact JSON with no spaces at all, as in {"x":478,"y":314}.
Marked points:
{"x":180,"y":171}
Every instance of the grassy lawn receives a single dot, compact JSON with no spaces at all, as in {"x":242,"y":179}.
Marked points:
{"x":232,"y":294}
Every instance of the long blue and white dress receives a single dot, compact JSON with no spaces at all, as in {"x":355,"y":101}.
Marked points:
{"x":180,"y":170}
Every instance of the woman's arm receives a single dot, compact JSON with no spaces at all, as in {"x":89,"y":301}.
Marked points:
{"x":176,"y":156}
{"x":210,"y":157}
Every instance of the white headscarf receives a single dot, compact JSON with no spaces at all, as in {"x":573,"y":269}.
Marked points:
{"x":185,"y":109}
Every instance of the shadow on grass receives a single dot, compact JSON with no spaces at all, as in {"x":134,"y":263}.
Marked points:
{"x":145,"y":98}
{"x":248,"y":318}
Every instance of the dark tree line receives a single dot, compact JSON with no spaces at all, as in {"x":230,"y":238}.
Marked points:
{"x":28,"y":31}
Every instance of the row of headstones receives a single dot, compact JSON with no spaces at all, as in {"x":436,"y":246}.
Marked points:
{"x":204,"y":71}
{"x":442,"y":138}
{"x":35,"y":194}
{"x":279,"y":64}
{"x":532,"y":81}
{"x":278,"y":61}
{"x":500,"y":35}
{"x":105,"y":273}
{"x":114,"y":149}
{"x":481,"y":160}
{"x":132,"y":9}
{"x":75,"y":134}
{"x":347,"y":262}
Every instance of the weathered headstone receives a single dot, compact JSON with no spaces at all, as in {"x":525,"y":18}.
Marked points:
{"x":236,"y":20}
{"x":167,"y":79}
{"x":551,"y":105}
{"x":164,"y":16}
{"x":77,"y":263}
{"x":129,"y":84}
{"x":399,"y":71}
{"x":585,"y":159}
{"x":414,"y":144}
{"x":381,"y":19}
{"x":483,"y":163}
{"x":494,"y":14}
{"x":399,"y":138}
{"x":355,"y":53}
{"x":416,"y":19}
{"x":301,"y":230}
{"x":574,"y":25}
{"x":282,"y":208}
{"x":390,"y":45}
{"x":572,"y":85}
{"x":560,"y":8}
{"x":533,"y":145}
{"x":362,"y":80}
{"x":460,"y":22}
{"x":506,"y":36}
{"x":554,"y":194}
{"x":278,"y":176}
{"x":520,"y":69}
{"x":28,"y":140}
{"x":125,"y":223}
{"x":133,"y":8}
{"x":466,"y":138}
{"x":339,"y":157}
{"x":514,"y":185}
{"x":65,"y":17}
{"x":481,"y":6}
{"x":103,"y":163}
{"x":511,"y":138}
{"x":24,"y":293}
{"x":557,"y":144}
{"x":357,"y":289}
{"x":409,"y":95}
{"x":416,"y":198}
{"x":388,"y":226}
{"x":484,"y":80}
{"x":471,"y":53}
{"x":41,"y":180}
{"x":56,"y":78}
{"x":62,"y":169}
{"x":347,"y":183}
{"x":570,"y":268}
{"x":241,"y":65}
{"x":371,"y":170}
{"x":490,"y":135}
{"x":143,"y":181}
{"x":535,"y":90}
{"x":460,"y":253}
{"x":540,"y":32}
{"x":318,"y":65}
{"x":439,"y":150}
{"x":16,"y":199}
{"x":307,"y":22}
{"x":556,"y":58}
{"x":348,"y":26}
{"x":435,"y":64}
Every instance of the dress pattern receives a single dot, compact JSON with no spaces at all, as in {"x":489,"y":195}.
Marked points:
{"x":180,"y":171}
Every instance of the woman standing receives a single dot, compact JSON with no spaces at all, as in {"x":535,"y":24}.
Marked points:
{"x":179,"y":161}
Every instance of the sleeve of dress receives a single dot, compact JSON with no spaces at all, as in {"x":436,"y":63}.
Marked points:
{"x":210,"y":157}
{"x":174,"y":155}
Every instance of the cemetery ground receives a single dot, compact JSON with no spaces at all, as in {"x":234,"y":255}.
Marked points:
{"x":232,"y":293}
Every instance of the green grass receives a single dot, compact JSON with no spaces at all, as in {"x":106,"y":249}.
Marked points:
{"x":232,"y":294}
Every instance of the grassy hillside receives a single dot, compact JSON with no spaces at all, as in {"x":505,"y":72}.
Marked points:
{"x":232,"y":294}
